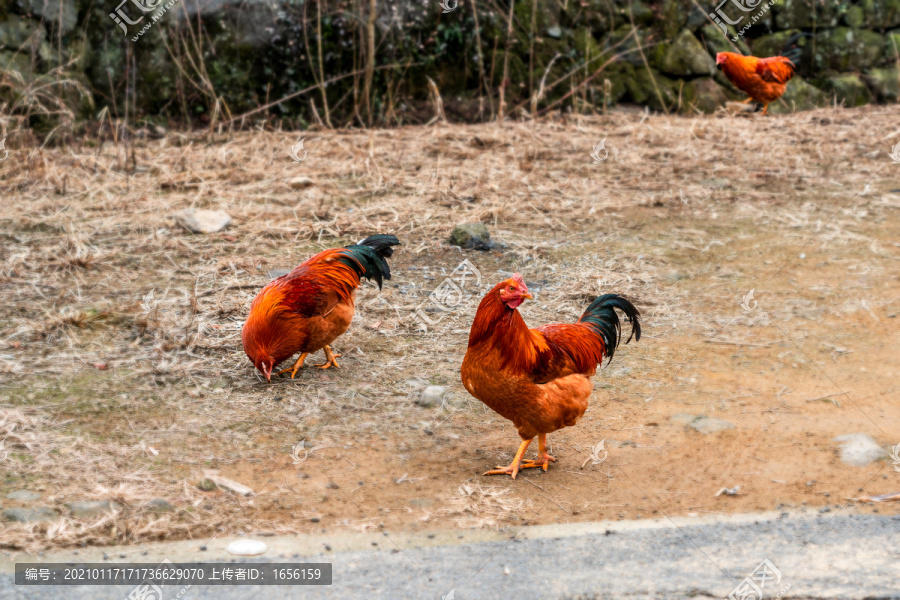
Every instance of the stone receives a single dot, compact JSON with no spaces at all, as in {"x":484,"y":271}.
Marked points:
{"x":18,"y":62}
{"x":773,"y":43}
{"x":90,"y":508}
{"x":849,"y":89}
{"x":23,"y":495}
{"x":642,"y":90}
{"x":716,"y":41}
{"x":432,"y":396}
{"x":799,"y":95}
{"x":66,"y":19}
{"x":229,"y":484}
{"x":207,"y":485}
{"x":684,"y":418}
{"x":844,"y":49}
{"x":30,"y":515}
{"x":554,"y":32}
{"x":16,"y":32}
{"x":246,"y":547}
{"x":707,"y":425}
{"x":885,"y":84}
{"x":160,"y":505}
{"x":859,"y":449}
{"x":300,"y":183}
{"x":686,"y":57}
{"x":797,"y":14}
{"x":472,"y":236}
{"x":881,"y":14}
{"x":741,"y":13}
{"x":703,"y":94}
{"x":203,"y":221}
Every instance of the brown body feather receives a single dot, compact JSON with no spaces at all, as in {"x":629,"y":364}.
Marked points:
{"x":303,"y":311}
{"x":762,"y":79}
{"x":537,"y":378}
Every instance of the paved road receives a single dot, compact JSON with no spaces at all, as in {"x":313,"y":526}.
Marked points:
{"x":819,"y":556}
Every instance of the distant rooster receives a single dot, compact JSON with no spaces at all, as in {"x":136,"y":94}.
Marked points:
{"x":764,"y":80}
{"x":539,"y":378}
{"x":310,"y":307}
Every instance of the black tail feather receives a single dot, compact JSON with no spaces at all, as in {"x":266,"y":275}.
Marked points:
{"x":372,"y":253}
{"x":791,"y":50}
{"x":602,"y":317}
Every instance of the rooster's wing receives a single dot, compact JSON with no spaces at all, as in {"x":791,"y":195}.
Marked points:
{"x":777,"y":69}
{"x":308,"y":296}
{"x":567,"y":349}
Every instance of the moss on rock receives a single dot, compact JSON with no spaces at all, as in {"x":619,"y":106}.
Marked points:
{"x":808,"y":14}
{"x":703,"y":94}
{"x":800,"y":95}
{"x":715,"y":41}
{"x":842,"y":49}
{"x":686,"y":57}
{"x":849,"y":89}
{"x":885,"y":84}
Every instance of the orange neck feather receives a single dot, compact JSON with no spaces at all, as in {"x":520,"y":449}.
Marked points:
{"x":496,"y":326}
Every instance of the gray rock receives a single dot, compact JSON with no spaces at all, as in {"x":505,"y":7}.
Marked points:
{"x":686,"y":57}
{"x":30,"y":515}
{"x":23,"y":495}
{"x":49,"y":10}
{"x":703,"y":94}
{"x":683,"y":418}
{"x":16,"y":31}
{"x":717,"y":42}
{"x":159,"y":505}
{"x":885,"y":83}
{"x":849,"y":89}
{"x":707,"y":425}
{"x":18,"y":62}
{"x":471,"y":235}
{"x":431,"y":396}
{"x":554,"y":32}
{"x":859,"y":449}
{"x":843,"y":50}
{"x":800,"y":95}
{"x":90,"y":508}
{"x":203,"y":221}
{"x":300,"y":183}
{"x":207,"y":485}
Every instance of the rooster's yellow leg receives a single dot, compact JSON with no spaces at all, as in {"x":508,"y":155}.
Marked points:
{"x":516,"y":463}
{"x":765,"y":108}
{"x":329,"y":359}
{"x":544,"y":458}
{"x":747,"y":100}
{"x":297,"y":365}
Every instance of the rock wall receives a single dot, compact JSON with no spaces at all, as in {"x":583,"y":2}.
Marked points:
{"x":183,"y":60}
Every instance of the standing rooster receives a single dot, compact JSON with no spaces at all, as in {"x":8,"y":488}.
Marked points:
{"x":764,"y":80}
{"x":539,"y":378}
{"x":310,"y":307}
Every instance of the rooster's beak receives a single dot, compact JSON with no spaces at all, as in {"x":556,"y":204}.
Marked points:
{"x":527,"y":295}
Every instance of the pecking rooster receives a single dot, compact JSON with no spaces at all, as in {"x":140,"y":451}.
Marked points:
{"x":764,"y":80}
{"x":310,"y":307}
{"x":539,"y":378}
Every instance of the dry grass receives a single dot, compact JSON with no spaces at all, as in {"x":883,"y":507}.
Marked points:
{"x":120,"y":332}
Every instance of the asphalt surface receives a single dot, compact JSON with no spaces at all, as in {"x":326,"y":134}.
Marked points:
{"x":819,"y":555}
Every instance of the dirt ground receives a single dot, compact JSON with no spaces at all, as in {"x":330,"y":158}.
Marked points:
{"x":122,"y":376}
